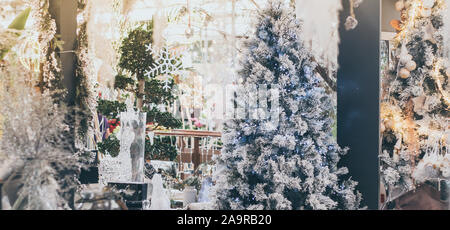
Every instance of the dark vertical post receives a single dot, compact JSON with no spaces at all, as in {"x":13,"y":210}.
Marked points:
{"x":196,"y":157}
{"x":1,"y":195}
{"x":358,"y":98}
{"x":65,"y":14}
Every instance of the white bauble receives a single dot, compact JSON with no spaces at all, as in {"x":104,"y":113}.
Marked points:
{"x":428,"y":3}
{"x":396,"y":157}
{"x":411,"y":65}
{"x":189,"y":32}
{"x":404,"y":73}
{"x":405,"y":58}
{"x":445,"y":172}
{"x":407,"y":4}
{"x":410,"y":57}
{"x":399,"y":5}
{"x":425,"y":12}
{"x":388,"y":125}
{"x":382,"y":128}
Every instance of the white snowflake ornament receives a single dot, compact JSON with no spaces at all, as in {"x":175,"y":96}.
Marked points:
{"x":167,"y":63}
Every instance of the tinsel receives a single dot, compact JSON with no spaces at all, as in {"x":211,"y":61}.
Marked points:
{"x":39,"y":154}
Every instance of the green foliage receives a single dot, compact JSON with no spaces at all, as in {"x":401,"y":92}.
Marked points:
{"x":82,"y":4}
{"x":20,"y":21}
{"x":134,"y":56}
{"x":162,"y":149}
{"x":51,"y":79}
{"x":111,"y":109}
{"x":134,"y":61}
{"x":12,"y":36}
{"x":171,"y":172}
{"x":110,"y":146}
{"x":123,"y":82}
{"x":155,"y":93}
{"x":193,"y":181}
{"x":164,"y":119}
{"x":11,"y":39}
{"x":83,"y":88}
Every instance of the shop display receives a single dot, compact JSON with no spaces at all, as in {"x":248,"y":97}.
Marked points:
{"x":224,"y":105}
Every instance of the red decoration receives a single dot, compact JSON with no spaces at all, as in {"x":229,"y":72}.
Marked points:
{"x":113,"y":124}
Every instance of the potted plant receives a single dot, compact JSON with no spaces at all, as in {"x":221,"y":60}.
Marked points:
{"x":149,"y":91}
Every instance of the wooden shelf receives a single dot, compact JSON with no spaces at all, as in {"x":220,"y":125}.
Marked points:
{"x":188,"y":133}
{"x":196,"y":158}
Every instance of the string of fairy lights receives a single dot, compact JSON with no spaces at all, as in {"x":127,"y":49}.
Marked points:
{"x":394,"y":118}
{"x":416,"y":10}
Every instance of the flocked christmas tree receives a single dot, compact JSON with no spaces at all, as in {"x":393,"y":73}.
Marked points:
{"x":290,"y":162}
{"x":415,"y":112}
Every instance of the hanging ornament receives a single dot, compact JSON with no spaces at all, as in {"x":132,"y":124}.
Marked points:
{"x":189,"y":32}
{"x":411,"y":65}
{"x":407,"y":4}
{"x":151,"y":136}
{"x":405,"y":57}
{"x":167,"y":64}
{"x":404,"y":73}
{"x":447,"y":72}
{"x":400,"y":5}
{"x":396,"y":24}
{"x":410,"y":57}
{"x":356,"y":3}
{"x":429,"y":32}
{"x":389,"y":125}
{"x":351,"y":22}
{"x":428,"y":3}
{"x":426,"y":12}
{"x":419,"y":103}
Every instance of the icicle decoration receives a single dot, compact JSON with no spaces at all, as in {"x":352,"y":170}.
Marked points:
{"x":320,"y":20}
